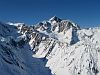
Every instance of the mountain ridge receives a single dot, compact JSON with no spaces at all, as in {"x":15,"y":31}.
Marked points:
{"x":53,"y":47}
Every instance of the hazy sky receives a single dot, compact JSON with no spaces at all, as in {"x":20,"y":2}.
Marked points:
{"x":84,"y":12}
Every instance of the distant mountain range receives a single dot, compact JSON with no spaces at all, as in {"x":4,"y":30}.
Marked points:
{"x":53,"y":47}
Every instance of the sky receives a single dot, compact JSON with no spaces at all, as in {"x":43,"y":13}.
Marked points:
{"x":86,"y":13}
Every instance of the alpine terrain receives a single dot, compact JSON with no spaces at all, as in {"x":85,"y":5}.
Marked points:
{"x":53,"y":47}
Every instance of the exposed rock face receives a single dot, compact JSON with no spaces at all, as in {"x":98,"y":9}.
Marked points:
{"x":58,"y":44}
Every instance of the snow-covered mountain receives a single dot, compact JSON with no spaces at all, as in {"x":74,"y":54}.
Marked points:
{"x":53,"y":47}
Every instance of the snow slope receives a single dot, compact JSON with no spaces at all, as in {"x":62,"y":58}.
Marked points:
{"x":16,"y":54}
{"x":53,"y":47}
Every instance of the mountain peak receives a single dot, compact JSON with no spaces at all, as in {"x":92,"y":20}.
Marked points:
{"x":56,"y":46}
{"x":55,"y":18}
